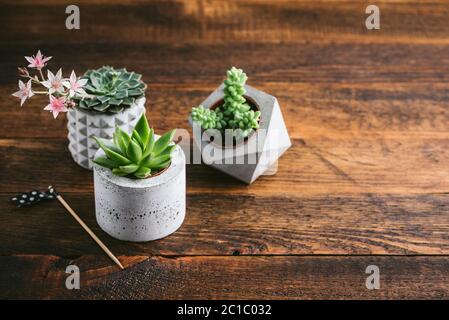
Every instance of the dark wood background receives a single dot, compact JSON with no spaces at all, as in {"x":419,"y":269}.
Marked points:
{"x":366,"y":181}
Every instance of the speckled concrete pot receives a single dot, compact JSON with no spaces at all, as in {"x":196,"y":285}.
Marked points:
{"x":141,"y":209}
{"x":82,"y":125}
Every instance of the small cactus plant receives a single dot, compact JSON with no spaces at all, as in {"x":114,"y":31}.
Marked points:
{"x":209,"y":119}
{"x":111,"y":90}
{"x":139,"y":155}
{"x":235,"y":113}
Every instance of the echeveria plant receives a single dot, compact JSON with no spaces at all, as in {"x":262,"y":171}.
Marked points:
{"x":60,"y":91}
{"x":235,"y":113}
{"x":139,"y":155}
{"x":111,"y":90}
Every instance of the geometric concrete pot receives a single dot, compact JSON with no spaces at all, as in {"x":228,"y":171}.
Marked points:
{"x":141,"y":209}
{"x":83,"y":124}
{"x":259,"y":153}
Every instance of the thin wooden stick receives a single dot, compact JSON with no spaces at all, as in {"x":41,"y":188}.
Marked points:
{"x":98,"y":241}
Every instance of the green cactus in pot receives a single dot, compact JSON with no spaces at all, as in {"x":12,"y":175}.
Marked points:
{"x":111,"y":90}
{"x":235,"y":113}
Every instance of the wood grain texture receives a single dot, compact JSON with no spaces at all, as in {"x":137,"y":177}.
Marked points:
{"x":288,"y":63}
{"x":357,"y":109}
{"x":367,"y":174}
{"x":314,"y":165}
{"x":217,"y":224}
{"x":216,"y":21}
{"x":286,"y":277}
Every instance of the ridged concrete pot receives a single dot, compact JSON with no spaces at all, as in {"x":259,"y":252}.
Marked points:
{"x":141,"y":210}
{"x":82,"y":125}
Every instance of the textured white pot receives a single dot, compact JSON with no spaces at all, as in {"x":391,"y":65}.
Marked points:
{"x":83,"y":125}
{"x":141,"y":209}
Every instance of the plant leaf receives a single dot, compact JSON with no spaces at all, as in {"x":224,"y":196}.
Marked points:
{"x":115,"y":101}
{"x":163,"y":142}
{"x":149,"y":157}
{"x":143,"y":129}
{"x":134,"y":151}
{"x":143,"y":172}
{"x":108,"y":144}
{"x":115,"y":109}
{"x":113,"y":155}
{"x":161,"y":166}
{"x":137,"y":137}
{"x":122,"y":139}
{"x":119,"y":172}
{"x":130,"y":168}
{"x":101,"y":107}
{"x":151,"y":162}
{"x":150,"y":144}
{"x":121,"y":94}
{"x":168,"y":150}
{"x":106,"y":162}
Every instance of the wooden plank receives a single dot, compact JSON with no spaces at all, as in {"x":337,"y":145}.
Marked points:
{"x":354,"y":109}
{"x":215,"y":277}
{"x":223,"y":22}
{"x":317,"y":164}
{"x":206,"y":64}
{"x":225,"y":224}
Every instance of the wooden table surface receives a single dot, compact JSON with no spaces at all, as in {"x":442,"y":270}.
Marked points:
{"x":366,"y":181}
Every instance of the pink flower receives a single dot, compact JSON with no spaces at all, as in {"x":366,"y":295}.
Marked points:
{"x":54,"y":82}
{"x":56,"y":105}
{"x":75,"y":85}
{"x":24,"y":92}
{"x":39,"y":61}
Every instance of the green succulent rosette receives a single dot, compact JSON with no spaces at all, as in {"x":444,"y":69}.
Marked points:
{"x":139,"y":155}
{"x":110,"y":90}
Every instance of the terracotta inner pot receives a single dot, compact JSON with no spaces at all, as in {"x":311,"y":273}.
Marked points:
{"x":235,"y":143}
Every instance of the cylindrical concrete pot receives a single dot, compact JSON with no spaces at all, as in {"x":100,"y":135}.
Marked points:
{"x":82,"y":125}
{"x":141,"y":209}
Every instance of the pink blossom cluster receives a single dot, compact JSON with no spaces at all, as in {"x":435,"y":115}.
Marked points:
{"x":60,"y":90}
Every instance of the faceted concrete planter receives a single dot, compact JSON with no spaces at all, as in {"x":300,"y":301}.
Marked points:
{"x":141,"y":209}
{"x":259,"y":152}
{"x":83,"y":125}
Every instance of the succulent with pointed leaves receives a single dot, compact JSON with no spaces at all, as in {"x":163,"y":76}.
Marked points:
{"x":139,"y":155}
{"x":111,"y":90}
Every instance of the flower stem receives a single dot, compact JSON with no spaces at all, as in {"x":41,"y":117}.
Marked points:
{"x":32,"y":79}
{"x":42,"y":75}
